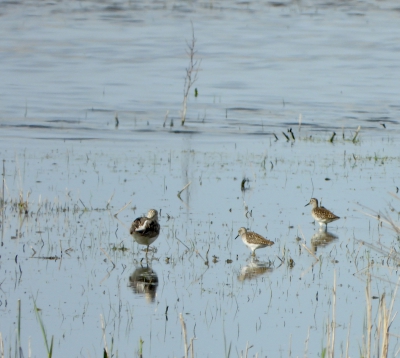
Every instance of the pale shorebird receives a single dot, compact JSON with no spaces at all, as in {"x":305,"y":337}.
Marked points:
{"x":320,"y":214}
{"x":252,"y":240}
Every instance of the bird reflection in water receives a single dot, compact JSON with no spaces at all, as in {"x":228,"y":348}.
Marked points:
{"x":322,"y":238}
{"x":144,"y":281}
{"x":254,"y":269}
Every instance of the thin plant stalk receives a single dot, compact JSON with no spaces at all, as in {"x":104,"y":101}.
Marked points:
{"x":191,"y":75}
{"x":348,"y":339}
{"x":333,"y":316}
{"x":107,"y":352}
{"x":306,"y":343}
{"x":184,"y":334}
{"x":3,"y":202}
{"x":39,"y":318}
{"x":384,"y":327}
{"x":19,"y":327}
{"x":369,"y":311}
{"x":1,"y":346}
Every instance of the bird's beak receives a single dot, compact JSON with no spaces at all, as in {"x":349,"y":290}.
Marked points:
{"x":307,"y":204}
{"x":236,"y":237}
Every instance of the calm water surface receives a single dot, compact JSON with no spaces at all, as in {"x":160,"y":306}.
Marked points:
{"x":69,"y":67}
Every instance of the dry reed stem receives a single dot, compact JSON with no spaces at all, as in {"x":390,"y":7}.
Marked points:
{"x":348,"y":340}
{"x":391,"y":253}
{"x":1,"y":346}
{"x":184,"y":334}
{"x":306,"y":343}
{"x":180,"y":192}
{"x":384,"y":326}
{"x":328,"y":334}
{"x":334,"y":314}
{"x":369,"y":310}
{"x":192,"y":347}
{"x":310,"y":252}
{"x":103,"y":327}
{"x":387,"y":322}
{"x":123,"y":208}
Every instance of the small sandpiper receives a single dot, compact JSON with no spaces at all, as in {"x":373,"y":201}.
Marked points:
{"x":145,"y":230}
{"x":320,"y":214}
{"x":252,"y":240}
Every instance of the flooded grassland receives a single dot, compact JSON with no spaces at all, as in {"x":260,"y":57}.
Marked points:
{"x":294,"y":100}
{"x":66,"y":244}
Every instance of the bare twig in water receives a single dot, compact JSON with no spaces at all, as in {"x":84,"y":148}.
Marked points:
{"x":191,"y":74}
{"x":123,"y":208}
{"x":180,"y":192}
{"x":309,"y":251}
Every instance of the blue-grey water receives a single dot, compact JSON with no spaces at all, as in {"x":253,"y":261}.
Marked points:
{"x":68,"y":68}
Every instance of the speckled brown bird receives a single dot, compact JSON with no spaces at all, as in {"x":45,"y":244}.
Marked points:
{"x":320,"y":214}
{"x":252,"y":240}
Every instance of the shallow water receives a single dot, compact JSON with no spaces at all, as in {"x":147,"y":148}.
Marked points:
{"x":67,"y":68}
{"x":272,"y":310}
